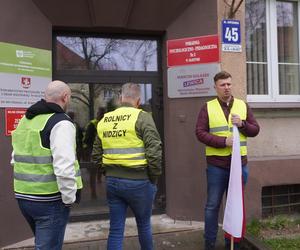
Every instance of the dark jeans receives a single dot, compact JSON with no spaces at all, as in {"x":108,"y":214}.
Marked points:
{"x":217,"y":184}
{"x":48,"y":222}
{"x":139,"y":196}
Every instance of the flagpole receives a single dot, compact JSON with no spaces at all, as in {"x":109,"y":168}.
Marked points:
{"x":231,"y":243}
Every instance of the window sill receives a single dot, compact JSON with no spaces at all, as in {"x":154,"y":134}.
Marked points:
{"x":274,"y":105}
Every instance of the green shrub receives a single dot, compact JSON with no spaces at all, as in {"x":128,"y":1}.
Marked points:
{"x":279,"y":222}
{"x":257,"y":228}
{"x":254,"y":227}
{"x":282,"y":243}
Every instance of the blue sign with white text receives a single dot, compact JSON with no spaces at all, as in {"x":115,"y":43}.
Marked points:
{"x":231,"y":35}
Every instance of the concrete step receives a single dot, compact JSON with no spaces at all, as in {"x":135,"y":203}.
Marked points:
{"x":167,"y":234}
{"x":80,"y":233}
{"x":181,"y":240}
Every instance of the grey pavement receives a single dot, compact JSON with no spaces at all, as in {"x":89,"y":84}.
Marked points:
{"x":167,"y":234}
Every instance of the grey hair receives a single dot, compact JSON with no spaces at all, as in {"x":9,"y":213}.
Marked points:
{"x":131,"y":90}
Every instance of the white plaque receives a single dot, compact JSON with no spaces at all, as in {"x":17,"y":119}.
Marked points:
{"x":192,"y":80}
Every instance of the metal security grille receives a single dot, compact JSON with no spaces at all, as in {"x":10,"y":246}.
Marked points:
{"x":283,"y":199}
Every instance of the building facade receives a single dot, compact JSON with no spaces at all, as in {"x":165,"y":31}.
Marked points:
{"x":265,"y":73}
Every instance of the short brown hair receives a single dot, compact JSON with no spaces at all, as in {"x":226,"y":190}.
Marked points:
{"x":221,"y":75}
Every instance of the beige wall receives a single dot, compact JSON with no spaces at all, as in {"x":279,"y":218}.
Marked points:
{"x":279,"y":136}
{"x":268,"y":172}
{"x":274,"y":155}
{"x":185,"y":159}
{"x":275,"y":146}
{"x":230,"y":61}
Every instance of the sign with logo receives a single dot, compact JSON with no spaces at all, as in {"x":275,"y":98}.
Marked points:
{"x":12,"y":118}
{"x":26,"y":82}
{"x":24,"y":74}
{"x":193,"y":50}
{"x":192,"y":80}
{"x":231,"y":36}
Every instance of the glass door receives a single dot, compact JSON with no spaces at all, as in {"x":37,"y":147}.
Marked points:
{"x":96,"y":66}
{"x":89,"y":102}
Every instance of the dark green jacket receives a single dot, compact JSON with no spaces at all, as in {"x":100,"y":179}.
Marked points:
{"x":147,"y":132}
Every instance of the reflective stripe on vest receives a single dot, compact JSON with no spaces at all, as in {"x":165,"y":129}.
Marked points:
{"x":219,"y":126}
{"x":120,"y":143}
{"x":33,"y":164}
{"x":38,"y":177}
{"x":33,"y":159}
{"x":225,"y":129}
{"x":124,"y":150}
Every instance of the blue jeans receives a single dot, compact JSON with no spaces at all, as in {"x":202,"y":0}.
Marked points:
{"x":217,"y":184}
{"x":48,"y":222}
{"x":139,"y":196}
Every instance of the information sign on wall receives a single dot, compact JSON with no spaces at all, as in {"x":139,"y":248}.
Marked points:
{"x":193,"y":50}
{"x":231,"y":36}
{"x":12,"y":118}
{"x":192,"y":80}
{"x":24,"y":74}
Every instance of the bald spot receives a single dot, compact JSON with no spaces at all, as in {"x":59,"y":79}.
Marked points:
{"x":55,"y":90}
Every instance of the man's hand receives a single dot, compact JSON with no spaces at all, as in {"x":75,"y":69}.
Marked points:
{"x":68,"y":205}
{"x":236,"y":120}
{"x":229,"y":141}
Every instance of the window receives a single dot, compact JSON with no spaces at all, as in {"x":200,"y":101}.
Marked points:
{"x":96,"y":53}
{"x":283,"y":199}
{"x":272,"y":50}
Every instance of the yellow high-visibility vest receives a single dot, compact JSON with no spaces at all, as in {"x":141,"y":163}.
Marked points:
{"x":33,"y":163}
{"x":121,"y":146}
{"x":219,"y":126}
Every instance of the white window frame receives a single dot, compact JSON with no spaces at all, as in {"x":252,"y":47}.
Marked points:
{"x":272,"y":58}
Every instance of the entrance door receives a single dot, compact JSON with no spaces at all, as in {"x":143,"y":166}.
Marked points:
{"x":88,"y":104}
{"x":95,"y":67}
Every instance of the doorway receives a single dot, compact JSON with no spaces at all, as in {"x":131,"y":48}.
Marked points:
{"x":95,"y":69}
{"x":88,"y":104}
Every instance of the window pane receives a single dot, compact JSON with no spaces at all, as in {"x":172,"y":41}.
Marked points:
{"x":256,"y":44}
{"x":82,"y":53}
{"x":257,"y":79}
{"x":280,"y":199}
{"x":87,"y":98}
{"x":288,"y":55}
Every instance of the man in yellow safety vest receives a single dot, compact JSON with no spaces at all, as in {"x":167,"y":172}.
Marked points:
{"x":214,"y":129}
{"x":46,"y":172}
{"x":128,"y":147}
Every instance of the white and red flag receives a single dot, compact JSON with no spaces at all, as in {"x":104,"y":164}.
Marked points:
{"x":233,"y":222}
